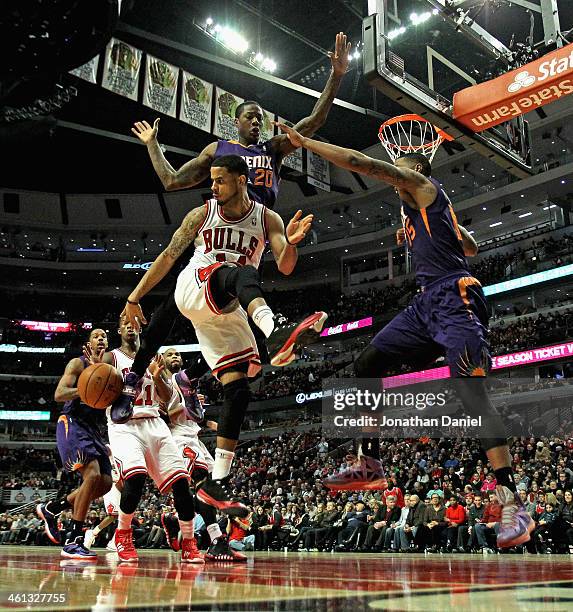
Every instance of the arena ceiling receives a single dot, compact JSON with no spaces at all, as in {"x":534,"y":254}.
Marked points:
{"x":87,"y":145}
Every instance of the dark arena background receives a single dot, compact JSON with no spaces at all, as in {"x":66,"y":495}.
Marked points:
{"x":84,"y":213}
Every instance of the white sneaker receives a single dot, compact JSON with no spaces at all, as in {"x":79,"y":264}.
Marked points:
{"x":89,"y":538}
{"x":111,"y":544}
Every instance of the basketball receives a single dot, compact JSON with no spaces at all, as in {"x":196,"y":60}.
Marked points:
{"x":99,"y":385}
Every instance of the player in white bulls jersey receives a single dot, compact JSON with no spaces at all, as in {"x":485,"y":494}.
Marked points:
{"x":220,"y":288}
{"x":187,"y":417}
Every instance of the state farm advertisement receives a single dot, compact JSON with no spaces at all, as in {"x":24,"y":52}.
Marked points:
{"x":346,"y":327}
{"x":517,"y":92}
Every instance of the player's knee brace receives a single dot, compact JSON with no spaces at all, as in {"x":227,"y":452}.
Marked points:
{"x":371,"y":363}
{"x":131,"y":493}
{"x":183,"y":500}
{"x":247,"y":285}
{"x":236,"y":396}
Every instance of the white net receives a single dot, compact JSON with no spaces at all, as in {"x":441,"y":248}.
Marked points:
{"x":410,"y":134}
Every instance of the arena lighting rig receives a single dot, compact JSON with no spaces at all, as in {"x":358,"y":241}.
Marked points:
{"x":236,"y":43}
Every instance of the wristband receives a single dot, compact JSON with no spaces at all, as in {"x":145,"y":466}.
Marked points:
{"x":288,"y":241}
{"x":132,"y":303}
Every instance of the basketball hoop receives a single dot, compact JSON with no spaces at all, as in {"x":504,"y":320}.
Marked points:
{"x":411,"y":134}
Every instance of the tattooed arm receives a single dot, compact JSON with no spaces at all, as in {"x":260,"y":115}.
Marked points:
{"x":190,"y":174}
{"x":181,"y":239}
{"x":422,"y":190}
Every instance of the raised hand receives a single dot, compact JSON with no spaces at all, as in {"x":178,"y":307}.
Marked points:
{"x":400,"y":236}
{"x":339,"y":58}
{"x":157,"y":366}
{"x":92,"y":357}
{"x":145,"y":132}
{"x":295,"y":138}
{"x":298,"y":227}
{"x":134,"y":315}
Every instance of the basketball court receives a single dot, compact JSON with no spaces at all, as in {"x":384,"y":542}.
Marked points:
{"x":290,"y":581}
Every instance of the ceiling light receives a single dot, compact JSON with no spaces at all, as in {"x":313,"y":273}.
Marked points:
{"x":527,"y":214}
{"x":495,"y":224}
{"x":209,"y":21}
{"x":394,"y":33}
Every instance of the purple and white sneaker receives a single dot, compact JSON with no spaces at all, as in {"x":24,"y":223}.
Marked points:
{"x":77,"y":550}
{"x":122,"y":408}
{"x":516,"y":525}
{"x":50,"y":523}
{"x":188,"y":387}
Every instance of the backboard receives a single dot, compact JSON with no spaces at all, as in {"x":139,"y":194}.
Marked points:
{"x":420,"y":52}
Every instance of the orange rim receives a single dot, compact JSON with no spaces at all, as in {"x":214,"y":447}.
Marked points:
{"x":442,"y":135}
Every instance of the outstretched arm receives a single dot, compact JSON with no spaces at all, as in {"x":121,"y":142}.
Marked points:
{"x":283,"y":243}
{"x":469,"y":244}
{"x":181,"y":239}
{"x":190,"y":174}
{"x":311,"y":124}
{"x":355,"y":161}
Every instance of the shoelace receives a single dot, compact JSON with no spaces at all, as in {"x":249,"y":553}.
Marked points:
{"x":508,"y":513}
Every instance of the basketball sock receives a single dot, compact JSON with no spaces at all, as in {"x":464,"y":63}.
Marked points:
{"x":264,"y":319}
{"x":223,"y":462}
{"x":124,"y":520}
{"x":77,"y":531}
{"x":214,"y":531}
{"x":504,"y":477}
{"x":187,"y":529}
{"x":58,"y":505}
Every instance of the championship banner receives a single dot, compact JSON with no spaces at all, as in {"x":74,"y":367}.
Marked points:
{"x":295,"y":159}
{"x":225,"y":106}
{"x":517,"y":92}
{"x":27,"y":495}
{"x":87,"y":72}
{"x":196,"y":98}
{"x":318,"y":171}
{"x":121,"y":69}
{"x":160,"y":87}
{"x":267,"y":129}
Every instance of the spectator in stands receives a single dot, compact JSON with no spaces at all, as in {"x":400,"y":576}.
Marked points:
{"x":489,"y":523}
{"x":356,"y":521}
{"x":405,"y":533}
{"x":434,"y":524}
{"x":489,"y":483}
{"x":455,"y":519}
{"x":466,"y":533}
{"x":237,"y":530}
{"x":382,"y":523}
{"x":543,"y":530}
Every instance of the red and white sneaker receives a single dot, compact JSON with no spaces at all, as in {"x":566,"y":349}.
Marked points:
{"x":189,"y":551}
{"x":287,"y":337}
{"x":366,"y":474}
{"x":124,"y":546}
{"x":217,"y":493}
{"x":170,"y":525}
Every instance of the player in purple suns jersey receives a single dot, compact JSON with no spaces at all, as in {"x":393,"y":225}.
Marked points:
{"x":82,"y":448}
{"x":447,"y":317}
{"x":264,"y":161}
